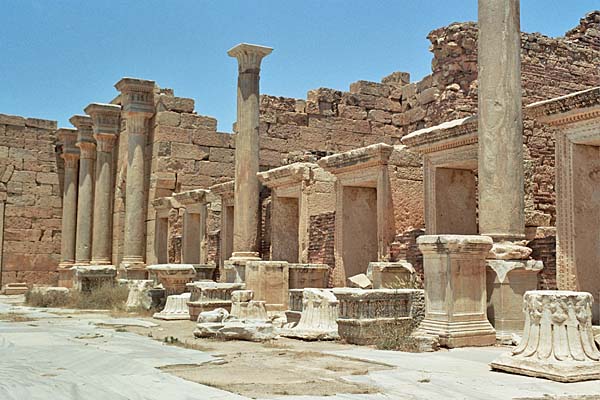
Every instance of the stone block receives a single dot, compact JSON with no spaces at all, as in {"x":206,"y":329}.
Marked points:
{"x":167,"y":118}
{"x":179,"y":104}
{"x":391,"y":275}
{"x":201,"y":122}
{"x":12,"y":120}
{"x":189,"y":151}
{"x":88,"y":277}
{"x":270,"y":282}
{"x":308,"y":276}
{"x":320,"y":310}
{"x":173,"y":277}
{"x":371,"y":88}
{"x":360,"y":281}
{"x":397,"y":78}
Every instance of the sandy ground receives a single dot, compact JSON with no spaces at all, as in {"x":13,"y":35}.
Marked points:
{"x":66,"y":354}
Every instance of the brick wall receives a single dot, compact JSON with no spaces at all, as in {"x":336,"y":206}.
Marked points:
{"x":321,"y":237}
{"x":30,"y":182}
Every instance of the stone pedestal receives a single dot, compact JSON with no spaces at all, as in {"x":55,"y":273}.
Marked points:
{"x":399,"y":274}
{"x":455,"y":293}
{"x":15,"y":289}
{"x":208,"y":296}
{"x":176,"y":308}
{"x":320,"y":310}
{"x":509,"y":275}
{"x":235,"y":271}
{"x":367,"y":316}
{"x":137,"y":102}
{"x":270,"y":281}
{"x":88,"y":277}
{"x":173,"y":277}
{"x":204,"y":271}
{"x":558,"y":341}
{"x":247,"y":186}
{"x":294,"y":312}
{"x":308,"y":276}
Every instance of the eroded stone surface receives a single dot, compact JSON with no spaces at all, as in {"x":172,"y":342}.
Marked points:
{"x":175,"y":308}
{"x":139,"y":294}
{"x":558,"y":341}
{"x":320,"y":310}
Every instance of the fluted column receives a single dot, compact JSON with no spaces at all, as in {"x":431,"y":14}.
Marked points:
{"x":137,"y":102}
{"x":247,"y":186}
{"x":105,"y":118}
{"x":85,"y":198}
{"x":70,"y":155}
{"x":500,"y":170}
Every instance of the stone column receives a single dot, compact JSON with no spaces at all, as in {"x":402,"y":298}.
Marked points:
{"x":106,"y":124}
{"x":247,"y":186}
{"x":70,"y":155}
{"x":500,"y":169}
{"x":85,"y":198}
{"x":137,"y":102}
{"x":455,"y":292}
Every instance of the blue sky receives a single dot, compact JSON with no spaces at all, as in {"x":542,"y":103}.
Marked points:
{"x":57,"y":56}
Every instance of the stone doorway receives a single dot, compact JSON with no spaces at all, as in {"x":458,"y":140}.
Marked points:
{"x":285,"y":219}
{"x":359,"y":233}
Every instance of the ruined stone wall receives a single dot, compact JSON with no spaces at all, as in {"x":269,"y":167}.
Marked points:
{"x":31,"y":188}
{"x":331,"y":120}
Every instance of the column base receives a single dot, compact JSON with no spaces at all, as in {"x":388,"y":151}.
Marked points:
{"x":65,"y":275}
{"x":133,"y":269}
{"x":460,"y":334}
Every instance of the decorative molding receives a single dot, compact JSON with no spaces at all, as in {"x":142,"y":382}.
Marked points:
{"x":249,"y":56}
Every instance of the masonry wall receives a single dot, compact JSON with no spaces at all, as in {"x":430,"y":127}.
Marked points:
{"x":330,"y":120}
{"x":30,"y":186}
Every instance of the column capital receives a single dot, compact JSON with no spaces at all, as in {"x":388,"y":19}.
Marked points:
{"x":249,"y":56}
{"x":68,"y":139}
{"x":137,"y":95}
{"x":105,"y":142}
{"x":105,"y":118}
{"x":85,"y":138}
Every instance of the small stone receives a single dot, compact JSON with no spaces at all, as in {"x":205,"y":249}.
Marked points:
{"x":360,"y":281}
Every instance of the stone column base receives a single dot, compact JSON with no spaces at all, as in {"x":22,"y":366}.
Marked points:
{"x":460,"y":334}
{"x":65,"y":276}
{"x":270,"y":282}
{"x":176,"y":308}
{"x":558,"y":339}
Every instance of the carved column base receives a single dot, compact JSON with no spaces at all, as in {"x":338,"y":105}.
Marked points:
{"x":176,"y":308}
{"x":558,"y":342}
{"x":460,"y":334}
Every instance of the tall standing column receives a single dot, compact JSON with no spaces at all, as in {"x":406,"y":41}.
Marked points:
{"x":70,"y":155}
{"x":247,"y":186}
{"x":137,"y":102}
{"x":105,"y":118}
{"x":85,"y":198}
{"x":500,"y":172}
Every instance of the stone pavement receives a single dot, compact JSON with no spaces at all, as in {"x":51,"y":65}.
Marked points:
{"x":58,"y":356}
{"x":72,"y":359}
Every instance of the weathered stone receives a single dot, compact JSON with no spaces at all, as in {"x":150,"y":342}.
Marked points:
{"x":270,"y":282}
{"x":89,"y":277}
{"x":320,"y":310}
{"x":254,"y":331}
{"x":391,"y":275}
{"x":139,"y":294}
{"x":176,"y":308}
{"x":173,"y":277}
{"x":215,"y":316}
{"x":558,"y":341}
{"x":455,"y":269}
{"x":360,"y":281}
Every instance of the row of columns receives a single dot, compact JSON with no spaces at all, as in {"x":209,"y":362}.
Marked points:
{"x":87,"y":152}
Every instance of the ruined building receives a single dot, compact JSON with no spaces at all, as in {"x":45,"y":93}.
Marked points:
{"x":113,"y":187}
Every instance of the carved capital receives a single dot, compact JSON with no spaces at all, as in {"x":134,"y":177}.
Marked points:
{"x":249,"y":56}
{"x":88,"y":149}
{"x":71,"y":159}
{"x":137,"y":95}
{"x":105,"y":118}
{"x":105,"y":142}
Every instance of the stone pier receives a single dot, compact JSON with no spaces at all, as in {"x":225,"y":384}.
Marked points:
{"x":106,"y":124}
{"x":137,"y":102}
{"x":247,"y":186}
{"x":500,"y":124}
{"x":226,"y":192}
{"x":455,"y":291}
{"x":70,"y":155}
{"x":85,"y":197}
